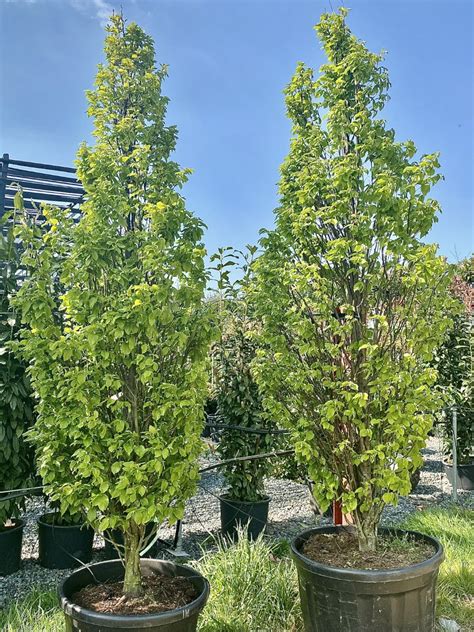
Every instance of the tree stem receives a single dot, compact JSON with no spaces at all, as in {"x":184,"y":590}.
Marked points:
{"x":132,"y":583}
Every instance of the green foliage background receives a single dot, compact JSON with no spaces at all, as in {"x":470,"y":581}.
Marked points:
{"x":16,"y":403}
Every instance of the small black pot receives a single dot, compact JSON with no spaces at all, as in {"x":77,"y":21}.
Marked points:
{"x":10,"y":548}
{"x":63,"y":546}
{"x":465,"y":475}
{"x":239,"y":513}
{"x":395,"y":600}
{"x":178,"y":620}
{"x":116,"y":535}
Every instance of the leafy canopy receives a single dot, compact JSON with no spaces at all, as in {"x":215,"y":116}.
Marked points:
{"x":239,"y":402}
{"x":118,"y":334}
{"x":16,"y":403}
{"x":351,"y":299}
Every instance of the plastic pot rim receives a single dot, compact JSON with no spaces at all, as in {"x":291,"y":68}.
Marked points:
{"x":369,"y":576}
{"x":19,"y":524}
{"x":228,"y":499}
{"x":470,"y":463}
{"x":126,"y":621}
{"x":44,"y":523}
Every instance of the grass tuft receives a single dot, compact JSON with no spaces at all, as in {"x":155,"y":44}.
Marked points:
{"x":454,"y":527}
{"x":38,"y":612}
{"x":253,"y":587}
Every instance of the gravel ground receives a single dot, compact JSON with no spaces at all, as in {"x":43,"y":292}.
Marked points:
{"x":290,"y":512}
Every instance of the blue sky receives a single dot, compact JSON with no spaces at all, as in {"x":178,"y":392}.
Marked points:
{"x":229,"y":62}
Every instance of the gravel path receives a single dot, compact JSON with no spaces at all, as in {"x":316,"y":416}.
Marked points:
{"x":290,"y":512}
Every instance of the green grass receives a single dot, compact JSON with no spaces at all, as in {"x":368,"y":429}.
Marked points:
{"x":39,"y":612}
{"x":454,"y":527}
{"x":253,"y":586}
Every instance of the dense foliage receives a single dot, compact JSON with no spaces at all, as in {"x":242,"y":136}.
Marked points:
{"x":352,"y":301}
{"x":16,"y":404}
{"x":239,"y":402}
{"x":455,"y":364}
{"x":118,"y":356}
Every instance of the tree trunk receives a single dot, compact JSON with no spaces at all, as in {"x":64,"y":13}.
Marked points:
{"x":366,"y":525}
{"x":132,"y":583}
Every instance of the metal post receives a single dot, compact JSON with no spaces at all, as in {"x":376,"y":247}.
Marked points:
{"x":3,"y":182}
{"x":455,"y":455}
{"x":177,"y":550}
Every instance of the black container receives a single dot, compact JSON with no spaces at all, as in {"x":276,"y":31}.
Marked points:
{"x":63,"y":546}
{"x":238,"y":513}
{"x":465,"y":475}
{"x":350,"y":600}
{"x":10,"y":548}
{"x":116,"y":536}
{"x":179,"y":620}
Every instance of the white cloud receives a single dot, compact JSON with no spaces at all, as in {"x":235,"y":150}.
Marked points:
{"x":99,"y":9}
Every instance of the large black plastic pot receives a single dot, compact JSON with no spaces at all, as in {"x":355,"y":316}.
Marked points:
{"x":340,"y":599}
{"x":179,"y":620}
{"x":465,"y":475}
{"x":116,"y":536}
{"x":63,"y":546}
{"x":238,"y":513}
{"x":11,"y":539}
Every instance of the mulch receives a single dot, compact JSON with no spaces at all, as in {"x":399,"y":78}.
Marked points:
{"x":342,"y":551}
{"x":160,"y":594}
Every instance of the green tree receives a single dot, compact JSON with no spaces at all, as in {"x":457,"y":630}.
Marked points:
{"x":239,"y":402}
{"x":351,"y":300}
{"x":118,"y":355}
{"x":16,"y":403}
{"x":454,"y":361}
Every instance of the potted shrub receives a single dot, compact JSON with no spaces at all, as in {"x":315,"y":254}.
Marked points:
{"x":352,"y":304}
{"x":455,"y":364}
{"x":118,"y":356}
{"x":16,"y":405}
{"x":64,"y":541}
{"x":239,"y":404}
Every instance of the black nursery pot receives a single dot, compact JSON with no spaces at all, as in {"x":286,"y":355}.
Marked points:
{"x":116,"y":535}
{"x":239,"y":513}
{"x":63,"y":546}
{"x":465,"y":475}
{"x":395,"y":600}
{"x":10,"y":548}
{"x":179,"y":620}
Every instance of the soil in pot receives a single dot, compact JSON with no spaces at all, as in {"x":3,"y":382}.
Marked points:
{"x":62,"y":544}
{"x":342,"y":551}
{"x":253,"y":515}
{"x":161,"y":594}
{"x":167,"y":585}
{"x":11,"y":538}
{"x":342,"y":589}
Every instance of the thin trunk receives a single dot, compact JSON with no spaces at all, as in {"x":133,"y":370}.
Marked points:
{"x":367,"y":527}
{"x":132,"y":583}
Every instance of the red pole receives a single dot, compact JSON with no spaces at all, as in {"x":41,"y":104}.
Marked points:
{"x":337,"y":512}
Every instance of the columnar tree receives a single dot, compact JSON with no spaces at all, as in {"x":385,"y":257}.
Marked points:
{"x":239,"y":402}
{"x":16,"y":402}
{"x":351,"y":299}
{"x":454,"y":361}
{"x":118,"y":354}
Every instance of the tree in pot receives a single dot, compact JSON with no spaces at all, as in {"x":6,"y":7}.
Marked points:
{"x":455,"y":364}
{"x":16,"y":406}
{"x":239,"y":403}
{"x":118,"y":358}
{"x":352,"y":302}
